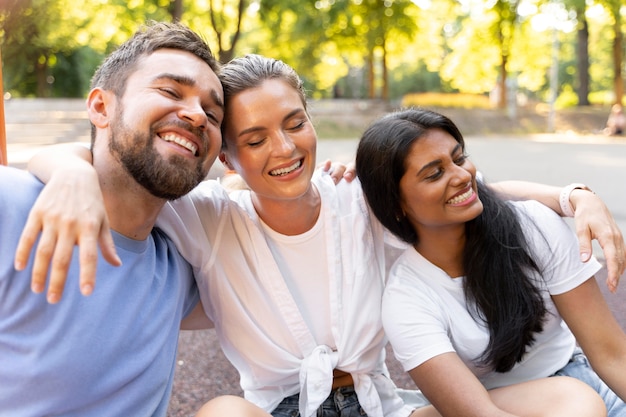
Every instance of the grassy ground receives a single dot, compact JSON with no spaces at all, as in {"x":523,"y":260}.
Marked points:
{"x":583,"y":120}
{"x":527,"y":120}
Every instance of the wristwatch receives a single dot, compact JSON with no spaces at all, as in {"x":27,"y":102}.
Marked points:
{"x":564,"y":202}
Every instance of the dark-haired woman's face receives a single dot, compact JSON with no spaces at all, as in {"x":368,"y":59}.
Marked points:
{"x":438,"y":189}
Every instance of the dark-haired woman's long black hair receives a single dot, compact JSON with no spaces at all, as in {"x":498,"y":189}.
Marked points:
{"x":498,"y":263}
{"x":499,"y":281}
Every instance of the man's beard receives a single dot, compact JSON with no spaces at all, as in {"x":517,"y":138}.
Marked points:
{"x":167,"y":179}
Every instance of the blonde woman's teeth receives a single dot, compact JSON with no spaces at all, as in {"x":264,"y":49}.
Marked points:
{"x":287,"y":170}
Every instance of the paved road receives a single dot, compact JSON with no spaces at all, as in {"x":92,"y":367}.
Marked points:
{"x":202,"y":370}
{"x":597,"y":161}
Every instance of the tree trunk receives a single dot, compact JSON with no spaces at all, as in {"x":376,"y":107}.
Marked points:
{"x":583,"y":58}
{"x":618,"y":82}
{"x":225,"y":55}
{"x":371,"y":76}
{"x":503,"y":87}
{"x":176,"y":10}
{"x":227,"y":52}
{"x":41,"y":71}
{"x":385,"y":75}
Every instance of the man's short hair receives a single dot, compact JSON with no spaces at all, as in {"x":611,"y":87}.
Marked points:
{"x":118,"y":66}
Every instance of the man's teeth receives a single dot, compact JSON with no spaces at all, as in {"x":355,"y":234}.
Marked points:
{"x":287,"y":170}
{"x":182,"y":142}
{"x":460,"y":198}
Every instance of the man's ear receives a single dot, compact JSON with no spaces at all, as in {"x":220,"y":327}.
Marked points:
{"x":225,"y":162}
{"x":100,"y":104}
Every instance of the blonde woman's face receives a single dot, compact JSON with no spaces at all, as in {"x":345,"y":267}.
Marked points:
{"x":271,"y":142}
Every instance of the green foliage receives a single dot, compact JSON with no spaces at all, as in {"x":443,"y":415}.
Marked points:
{"x":51,"y":47}
{"x":472,"y":64}
{"x":605,"y":97}
{"x":567,"y":98}
{"x":414,"y":77}
{"x":72,"y":73}
{"x":601,"y":39}
{"x":449,"y":100}
{"x":342,"y":33}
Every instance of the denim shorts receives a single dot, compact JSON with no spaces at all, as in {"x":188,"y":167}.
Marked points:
{"x":341,"y":402}
{"x":579,"y":368}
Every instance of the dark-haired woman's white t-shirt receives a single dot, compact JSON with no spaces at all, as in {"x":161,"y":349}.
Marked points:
{"x":425,"y":313}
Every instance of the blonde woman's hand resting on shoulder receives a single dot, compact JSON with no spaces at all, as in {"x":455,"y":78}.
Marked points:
{"x":69,"y":211}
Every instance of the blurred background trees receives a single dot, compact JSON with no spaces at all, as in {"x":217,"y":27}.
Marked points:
{"x":565,"y":52}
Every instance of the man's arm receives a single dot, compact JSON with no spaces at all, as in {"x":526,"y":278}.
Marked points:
{"x":197,"y":319}
{"x":592,"y":220}
{"x":74,"y":201}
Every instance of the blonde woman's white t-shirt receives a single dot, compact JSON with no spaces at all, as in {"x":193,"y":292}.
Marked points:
{"x":260,"y":325}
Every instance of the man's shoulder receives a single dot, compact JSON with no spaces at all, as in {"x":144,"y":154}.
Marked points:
{"x":7,"y":171}
{"x":18,"y":185}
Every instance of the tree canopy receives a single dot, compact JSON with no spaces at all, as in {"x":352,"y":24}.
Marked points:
{"x":377,"y":49}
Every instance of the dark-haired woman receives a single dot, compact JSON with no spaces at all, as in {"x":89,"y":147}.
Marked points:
{"x":491,"y":292}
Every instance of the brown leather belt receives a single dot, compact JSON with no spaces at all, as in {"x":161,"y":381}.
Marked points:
{"x":341,"y":379}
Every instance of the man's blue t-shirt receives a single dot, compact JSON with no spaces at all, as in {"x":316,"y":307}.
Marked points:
{"x":110,"y":354}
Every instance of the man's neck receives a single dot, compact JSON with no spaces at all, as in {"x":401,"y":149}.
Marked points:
{"x":130,"y":220}
{"x":131,"y":209}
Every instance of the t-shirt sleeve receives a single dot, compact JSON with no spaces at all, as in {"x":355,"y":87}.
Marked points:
{"x":192,"y":299}
{"x":414,"y":321}
{"x":191,"y":221}
{"x":556,"y":248}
